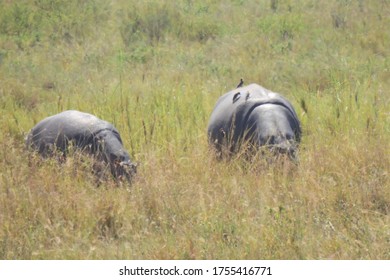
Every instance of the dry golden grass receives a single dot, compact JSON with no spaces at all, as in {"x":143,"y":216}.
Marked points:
{"x":156,"y":70}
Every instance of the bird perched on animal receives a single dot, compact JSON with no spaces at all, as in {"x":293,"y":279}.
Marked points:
{"x":241,"y":83}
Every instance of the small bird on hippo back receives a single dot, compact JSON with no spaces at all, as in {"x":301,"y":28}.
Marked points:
{"x":87,"y":133}
{"x":241,"y":83}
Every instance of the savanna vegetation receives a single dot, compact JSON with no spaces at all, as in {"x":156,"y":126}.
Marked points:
{"x":155,"y":70}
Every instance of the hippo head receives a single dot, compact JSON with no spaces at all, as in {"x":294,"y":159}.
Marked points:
{"x":288,"y":148}
{"x":123,"y":170}
{"x":112,"y":151}
{"x":121,"y":165}
{"x":281,"y":145}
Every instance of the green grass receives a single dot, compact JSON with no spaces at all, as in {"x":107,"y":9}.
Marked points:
{"x":155,"y":69}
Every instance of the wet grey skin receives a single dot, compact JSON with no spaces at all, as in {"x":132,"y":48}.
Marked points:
{"x":256,"y":116}
{"x":85,"y":132}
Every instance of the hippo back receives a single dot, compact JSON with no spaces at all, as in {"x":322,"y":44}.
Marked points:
{"x":67,"y":126}
{"x":228,"y":103}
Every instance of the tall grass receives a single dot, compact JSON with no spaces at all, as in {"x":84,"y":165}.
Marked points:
{"x":155,"y":69}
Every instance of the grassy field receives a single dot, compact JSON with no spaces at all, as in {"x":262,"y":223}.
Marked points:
{"x":155,"y":70}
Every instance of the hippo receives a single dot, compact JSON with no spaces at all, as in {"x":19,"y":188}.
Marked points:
{"x":85,"y":132}
{"x":254,"y":116}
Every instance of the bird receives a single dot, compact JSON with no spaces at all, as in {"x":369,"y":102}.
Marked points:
{"x":236,"y":97}
{"x":241,"y":83}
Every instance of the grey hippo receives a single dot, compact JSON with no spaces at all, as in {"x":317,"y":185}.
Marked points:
{"x":256,"y":116}
{"x":86,"y":132}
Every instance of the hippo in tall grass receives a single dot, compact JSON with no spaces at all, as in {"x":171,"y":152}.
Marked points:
{"x":256,"y":117}
{"x":85,"y":132}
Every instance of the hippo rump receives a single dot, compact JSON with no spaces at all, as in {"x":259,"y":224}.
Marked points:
{"x":255,"y":116}
{"x":85,"y":132}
